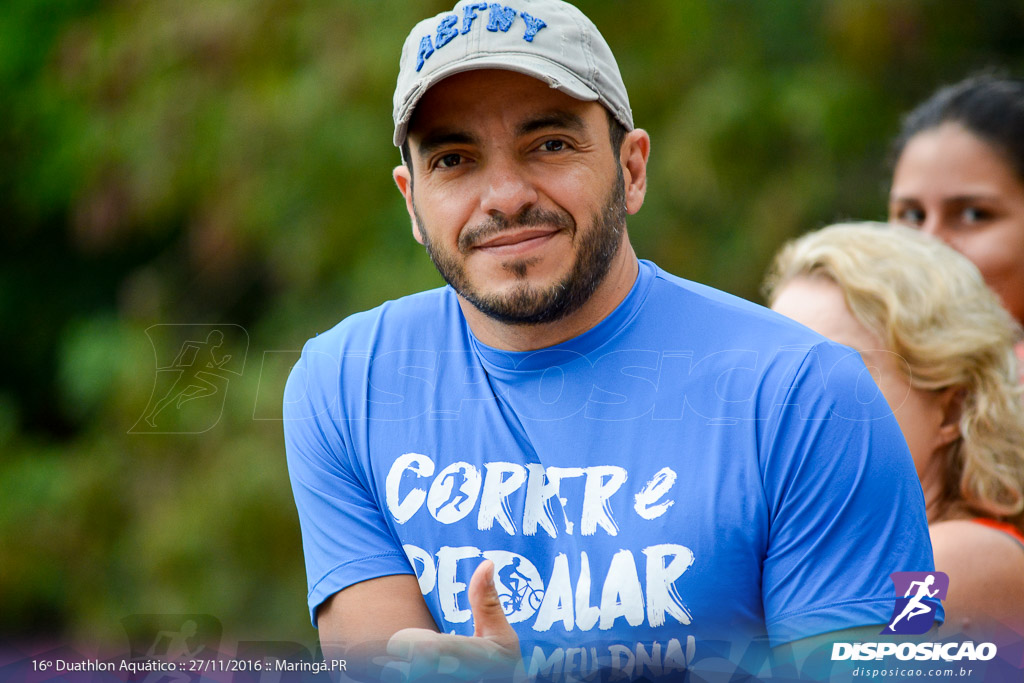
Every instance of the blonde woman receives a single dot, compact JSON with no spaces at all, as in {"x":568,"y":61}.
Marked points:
{"x":941,"y":348}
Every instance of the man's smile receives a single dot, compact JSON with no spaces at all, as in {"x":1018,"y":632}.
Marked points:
{"x":514,"y":242}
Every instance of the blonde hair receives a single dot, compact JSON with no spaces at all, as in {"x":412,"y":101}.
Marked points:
{"x":929,"y":305}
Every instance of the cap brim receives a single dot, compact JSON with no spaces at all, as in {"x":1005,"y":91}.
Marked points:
{"x":552,"y":73}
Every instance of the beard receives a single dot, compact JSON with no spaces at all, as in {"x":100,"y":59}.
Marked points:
{"x":527,"y":304}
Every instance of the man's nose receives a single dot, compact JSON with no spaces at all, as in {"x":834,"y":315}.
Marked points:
{"x":508,"y":189}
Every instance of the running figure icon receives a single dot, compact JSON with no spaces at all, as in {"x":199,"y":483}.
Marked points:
{"x":457,"y":496}
{"x":915,"y":607}
{"x":191,"y":382}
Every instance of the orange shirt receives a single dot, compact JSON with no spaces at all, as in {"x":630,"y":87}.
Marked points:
{"x":1005,"y":527}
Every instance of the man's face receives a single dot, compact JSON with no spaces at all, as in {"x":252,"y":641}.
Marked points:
{"x":519,"y":197}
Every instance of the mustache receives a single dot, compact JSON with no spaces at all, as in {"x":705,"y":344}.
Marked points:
{"x":528,"y":218}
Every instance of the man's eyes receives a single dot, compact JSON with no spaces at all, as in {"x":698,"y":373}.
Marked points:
{"x":453,"y":159}
{"x":449,"y":160}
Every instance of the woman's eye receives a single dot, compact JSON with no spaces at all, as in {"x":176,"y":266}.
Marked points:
{"x":553,"y":146}
{"x":973,"y":214}
{"x":449,"y":160}
{"x":910,"y":216}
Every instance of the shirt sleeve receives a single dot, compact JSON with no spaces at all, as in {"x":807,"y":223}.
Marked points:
{"x":345,"y":538}
{"x":846,"y":504}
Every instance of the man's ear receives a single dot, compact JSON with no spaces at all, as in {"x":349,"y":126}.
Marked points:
{"x":636,"y":148}
{"x":951,"y":401}
{"x":403,"y":178}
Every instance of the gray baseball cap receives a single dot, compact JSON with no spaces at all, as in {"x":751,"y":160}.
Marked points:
{"x":547,"y":39}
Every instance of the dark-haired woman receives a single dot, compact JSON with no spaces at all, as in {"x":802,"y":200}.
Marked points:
{"x":959,"y":176}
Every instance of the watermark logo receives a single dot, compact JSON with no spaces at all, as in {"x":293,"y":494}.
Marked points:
{"x":914,"y":613}
{"x":194,"y":365}
{"x":163,"y":645}
{"x":172,"y":636}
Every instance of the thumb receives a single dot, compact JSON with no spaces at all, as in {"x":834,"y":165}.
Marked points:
{"x":488,"y":617}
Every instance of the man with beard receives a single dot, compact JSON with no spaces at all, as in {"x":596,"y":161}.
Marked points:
{"x":669,"y":469}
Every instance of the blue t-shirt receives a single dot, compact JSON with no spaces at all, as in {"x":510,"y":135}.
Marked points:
{"x":693,"y":468}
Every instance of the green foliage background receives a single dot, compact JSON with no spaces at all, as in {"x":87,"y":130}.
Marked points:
{"x":228,"y":161}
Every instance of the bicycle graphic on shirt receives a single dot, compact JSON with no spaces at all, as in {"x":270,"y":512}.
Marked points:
{"x":512,"y":602}
{"x":520,"y":589}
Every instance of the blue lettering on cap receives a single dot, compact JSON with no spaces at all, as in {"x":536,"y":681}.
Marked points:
{"x":469,"y":14}
{"x":533,"y":26}
{"x":446,"y":31}
{"x":500,"y":18}
{"x":426,"y":49}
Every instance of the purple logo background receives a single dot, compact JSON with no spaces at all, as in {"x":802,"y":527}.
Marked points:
{"x":918,"y":595}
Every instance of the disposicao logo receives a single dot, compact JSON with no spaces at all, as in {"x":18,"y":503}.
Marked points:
{"x":914,"y":613}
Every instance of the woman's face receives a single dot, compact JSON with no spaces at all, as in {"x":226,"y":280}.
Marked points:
{"x":954,"y":186}
{"x":819,"y":304}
